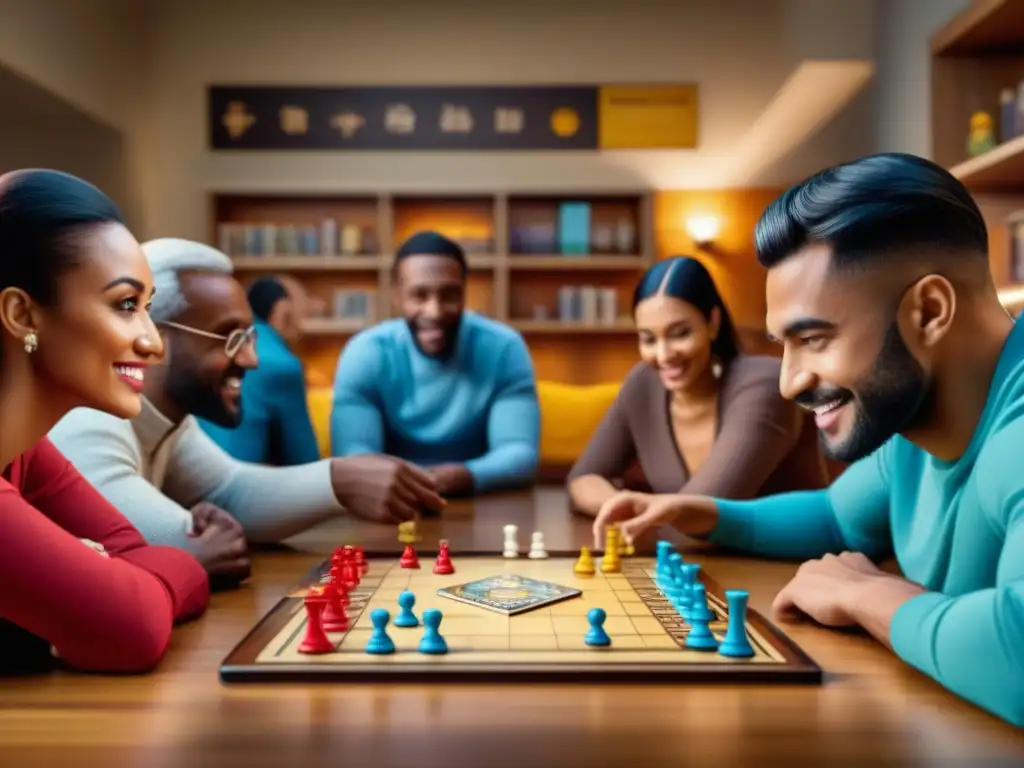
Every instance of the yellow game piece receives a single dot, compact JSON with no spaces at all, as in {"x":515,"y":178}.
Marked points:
{"x":585,"y":565}
{"x":407,"y":532}
{"x":611,"y":563}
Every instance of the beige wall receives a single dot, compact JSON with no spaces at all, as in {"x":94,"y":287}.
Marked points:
{"x":143,"y":67}
{"x":740,"y":51}
{"x":42,"y":130}
{"x":91,"y":53}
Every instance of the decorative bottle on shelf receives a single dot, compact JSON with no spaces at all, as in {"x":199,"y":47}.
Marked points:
{"x":1007,"y":114}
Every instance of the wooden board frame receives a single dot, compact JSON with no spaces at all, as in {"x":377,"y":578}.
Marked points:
{"x":242,"y":664}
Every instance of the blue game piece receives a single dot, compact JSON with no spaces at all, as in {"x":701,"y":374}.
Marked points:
{"x":432,"y":642}
{"x":661,"y":569}
{"x":379,"y":642}
{"x":690,"y":572}
{"x":596,"y":636}
{"x":405,"y":617}
{"x":673,"y":584}
{"x":699,"y":637}
{"x":736,"y":643}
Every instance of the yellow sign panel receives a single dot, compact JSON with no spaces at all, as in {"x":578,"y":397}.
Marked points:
{"x":647,"y":117}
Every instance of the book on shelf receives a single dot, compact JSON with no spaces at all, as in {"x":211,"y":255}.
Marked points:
{"x":328,"y":239}
{"x":588,"y":304}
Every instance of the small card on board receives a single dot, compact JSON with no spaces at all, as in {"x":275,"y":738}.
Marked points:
{"x":509,"y":594}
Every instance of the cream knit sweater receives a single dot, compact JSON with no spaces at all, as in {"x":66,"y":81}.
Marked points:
{"x":154,"y":471}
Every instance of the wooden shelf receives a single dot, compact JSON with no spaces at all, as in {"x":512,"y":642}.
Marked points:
{"x":308,"y":263}
{"x":559,"y":327}
{"x":998,"y":170}
{"x":329,"y":326}
{"x":987,"y":27}
{"x":269,"y":233}
{"x":565,"y":262}
{"x":977,"y":60}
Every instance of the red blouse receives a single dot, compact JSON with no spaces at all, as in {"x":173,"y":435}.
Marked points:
{"x":110,"y":614}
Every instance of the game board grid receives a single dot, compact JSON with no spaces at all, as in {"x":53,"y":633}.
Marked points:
{"x":640,"y":618}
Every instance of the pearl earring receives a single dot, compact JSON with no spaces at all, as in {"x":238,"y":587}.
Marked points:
{"x":31,"y":342}
{"x":716,"y":367}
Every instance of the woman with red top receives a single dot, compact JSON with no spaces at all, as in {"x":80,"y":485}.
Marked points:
{"x":77,"y":581}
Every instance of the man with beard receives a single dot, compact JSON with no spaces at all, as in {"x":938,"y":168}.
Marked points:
{"x":880,"y":293}
{"x":275,"y":427}
{"x":166,"y":475}
{"x":442,"y":387}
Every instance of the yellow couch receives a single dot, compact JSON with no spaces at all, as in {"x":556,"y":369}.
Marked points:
{"x":569,"y":416}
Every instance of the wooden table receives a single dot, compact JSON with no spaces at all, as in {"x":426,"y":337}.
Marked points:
{"x":872,"y":710}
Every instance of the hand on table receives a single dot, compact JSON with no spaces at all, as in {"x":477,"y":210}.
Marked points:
{"x":636,"y":513}
{"x":219,"y":542}
{"x":845,"y":590}
{"x":383,"y":489}
{"x":451,"y":478}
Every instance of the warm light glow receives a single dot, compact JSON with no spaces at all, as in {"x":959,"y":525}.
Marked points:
{"x":703,"y":229}
{"x":1012,"y":298}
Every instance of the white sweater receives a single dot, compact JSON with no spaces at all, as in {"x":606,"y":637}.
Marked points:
{"x":154,"y":472}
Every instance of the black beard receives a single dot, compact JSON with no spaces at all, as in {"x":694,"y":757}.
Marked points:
{"x":895,"y":397}
{"x":193,"y":393}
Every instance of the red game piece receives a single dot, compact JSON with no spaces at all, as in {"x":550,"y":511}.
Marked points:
{"x":350,"y":575}
{"x":409,"y":558}
{"x":334,"y":618}
{"x":364,"y":567}
{"x":443,"y":564}
{"x":349,"y":568}
{"x":342,"y":588}
{"x":316,"y":640}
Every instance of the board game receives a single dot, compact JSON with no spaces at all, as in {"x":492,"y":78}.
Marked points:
{"x":538,"y":626}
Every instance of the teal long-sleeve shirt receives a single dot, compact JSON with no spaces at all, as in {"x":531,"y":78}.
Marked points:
{"x":478,"y":408}
{"x":276,"y":428}
{"x":956,"y":528}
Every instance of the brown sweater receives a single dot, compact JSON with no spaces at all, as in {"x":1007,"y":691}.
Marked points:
{"x":764,"y":444}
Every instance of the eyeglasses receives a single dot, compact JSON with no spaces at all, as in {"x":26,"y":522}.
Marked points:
{"x":233,"y":342}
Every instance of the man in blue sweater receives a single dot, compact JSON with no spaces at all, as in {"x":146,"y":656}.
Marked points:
{"x":442,"y":387}
{"x":275,"y":426}
{"x":880,"y":293}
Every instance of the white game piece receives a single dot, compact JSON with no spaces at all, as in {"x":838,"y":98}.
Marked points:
{"x":511,"y":545}
{"x":537,"y":551}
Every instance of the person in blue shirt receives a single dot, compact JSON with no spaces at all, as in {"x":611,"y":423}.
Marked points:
{"x":880,"y":293}
{"x":275,"y":427}
{"x":441,"y":387}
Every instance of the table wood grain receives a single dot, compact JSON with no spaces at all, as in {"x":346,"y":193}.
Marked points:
{"x":871,"y":710}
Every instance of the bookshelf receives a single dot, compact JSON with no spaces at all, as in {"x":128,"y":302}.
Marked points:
{"x":978,"y":68}
{"x":557,"y":267}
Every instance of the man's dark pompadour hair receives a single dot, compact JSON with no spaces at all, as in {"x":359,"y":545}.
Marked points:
{"x":874,"y":209}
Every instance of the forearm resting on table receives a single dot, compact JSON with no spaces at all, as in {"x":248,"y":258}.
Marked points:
{"x":972,"y":644}
{"x":877,"y":603}
{"x":589,"y":493}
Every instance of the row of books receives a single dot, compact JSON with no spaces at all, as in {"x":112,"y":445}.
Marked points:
{"x":575,"y":233}
{"x":584,"y":304}
{"x":329,"y":238}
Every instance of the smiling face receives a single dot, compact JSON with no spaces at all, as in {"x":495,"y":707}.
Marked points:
{"x":675,"y":339}
{"x":844,"y":357}
{"x":431,"y":292}
{"x":95,"y":343}
{"x":203,"y":379}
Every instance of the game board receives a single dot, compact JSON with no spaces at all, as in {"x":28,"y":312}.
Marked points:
{"x":545,"y":643}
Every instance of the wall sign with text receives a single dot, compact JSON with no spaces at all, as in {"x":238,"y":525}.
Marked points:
{"x":453,"y":118}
